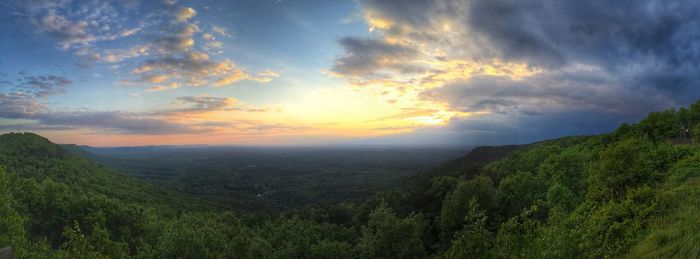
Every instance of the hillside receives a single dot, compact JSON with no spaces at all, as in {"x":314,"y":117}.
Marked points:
{"x":31,"y":156}
{"x":630,"y":193}
{"x":475,"y":159}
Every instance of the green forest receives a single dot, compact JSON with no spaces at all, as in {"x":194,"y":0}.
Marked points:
{"x":629,"y":193}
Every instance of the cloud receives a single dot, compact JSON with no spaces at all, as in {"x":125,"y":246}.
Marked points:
{"x":206,"y":103}
{"x":185,"y":115}
{"x":42,"y":4}
{"x":24,"y":106}
{"x":195,"y":69}
{"x":118,"y":55}
{"x":264,"y":76}
{"x":185,"y":14}
{"x":162,"y":44}
{"x":367,"y":57}
{"x":180,"y":61}
{"x":278,"y":128}
{"x":76,"y":27}
{"x":353,"y":17}
{"x":24,"y":95}
{"x":211,"y":44}
{"x":179,"y":37}
{"x":517,"y":63}
{"x":220,"y":30}
{"x":42,"y":85}
{"x":17,"y":105}
{"x":547,"y":92}
{"x":176,"y":119}
{"x":26,"y":102}
{"x":625,"y":36}
{"x":156,"y":88}
{"x":117,"y":122}
{"x":407,"y":113}
{"x":65,"y":31}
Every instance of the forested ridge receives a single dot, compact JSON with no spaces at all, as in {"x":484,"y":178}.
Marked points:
{"x":629,"y":193}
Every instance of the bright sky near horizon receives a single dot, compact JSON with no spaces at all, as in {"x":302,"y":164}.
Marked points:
{"x":278,"y":72}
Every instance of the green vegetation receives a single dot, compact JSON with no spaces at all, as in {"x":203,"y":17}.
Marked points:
{"x":630,"y":193}
{"x":270,"y":180}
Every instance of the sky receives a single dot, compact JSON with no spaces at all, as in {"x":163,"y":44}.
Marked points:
{"x":292,"y":72}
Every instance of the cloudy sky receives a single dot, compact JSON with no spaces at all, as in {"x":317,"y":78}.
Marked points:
{"x":278,"y":72}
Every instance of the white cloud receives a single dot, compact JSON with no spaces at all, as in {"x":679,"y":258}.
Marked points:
{"x":185,"y":14}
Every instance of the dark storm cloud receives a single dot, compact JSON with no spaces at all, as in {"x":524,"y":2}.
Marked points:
{"x":648,"y":47}
{"x":611,"y":34}
{"x":549,"y":33}
{"x":524,"y":128}
{"x":635,"y":37}
{"x":599,"y":62}
{"x":544,"y":93}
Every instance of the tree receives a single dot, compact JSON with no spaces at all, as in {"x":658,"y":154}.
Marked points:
{"x":193,"y":236}
{"x":456,"y":204}
{"x":559,"y":197}
{"x":620,"y":167}
{"x":516,"y":237}
{"x":331,"y":249}
{"x":519,"y":191}
{"x":387,"y":236}
{"x":11,"y":223}
{"x":77,"y":245}
{"x":475,"y":240}
{"x":696,"y":133}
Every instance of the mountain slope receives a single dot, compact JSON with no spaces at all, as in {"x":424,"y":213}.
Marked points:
{"x":476,"y":158}
{"x":33,"y":156}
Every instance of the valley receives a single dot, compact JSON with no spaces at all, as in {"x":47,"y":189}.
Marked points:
{"x":272,"y":179}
